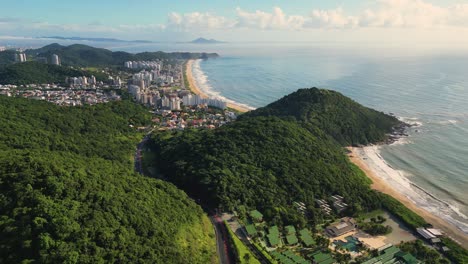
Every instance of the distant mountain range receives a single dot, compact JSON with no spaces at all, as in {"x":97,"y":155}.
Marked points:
{"x":97,"y":39}
{"x":206,"y":41}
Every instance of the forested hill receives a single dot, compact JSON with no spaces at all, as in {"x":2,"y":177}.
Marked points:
{"x":342,"y":118}
{"x":267,"y":160}
{"x":85,"y":56}
{"x":68,"y":193}
{"x":265,"y":163}
{"x":32,"y":72}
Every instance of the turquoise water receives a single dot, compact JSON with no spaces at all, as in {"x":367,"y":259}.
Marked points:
{"x":430,"y":90}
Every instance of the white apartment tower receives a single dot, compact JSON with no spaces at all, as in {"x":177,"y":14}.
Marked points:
{"x":55,"y":60}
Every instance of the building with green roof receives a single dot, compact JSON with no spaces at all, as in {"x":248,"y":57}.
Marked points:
{"x":273,"y":230}
{"x":406,"y":257}
{"x":292,"y":240}
{"x":322,"y":258}
{"x":251,"y":230}
{"x":256,"y":216}
{"x":290,"y":230}
{"x":273,"y":240}
{"x":306,"y":237}
{"x":393,"y":255}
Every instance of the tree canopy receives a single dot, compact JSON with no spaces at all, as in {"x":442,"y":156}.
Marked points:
{"x":271,"y":157}
{"x":346,"y":121}
{"x":68,"y":193}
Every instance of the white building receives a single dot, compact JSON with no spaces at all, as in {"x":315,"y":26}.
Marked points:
{"x":190,"y":100}
{"x":20,"y":57}
{"x":55,"y":59}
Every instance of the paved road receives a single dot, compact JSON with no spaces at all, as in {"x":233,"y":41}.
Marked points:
{"x":225,"y":254}
{"x":138,"y":153}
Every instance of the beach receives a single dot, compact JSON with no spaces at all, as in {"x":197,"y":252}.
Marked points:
{"x":367,"y":159}
{"x":196,"y":90}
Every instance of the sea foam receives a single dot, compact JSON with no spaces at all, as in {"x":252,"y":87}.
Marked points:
{"x":202,"y":81}
{"x":400,"y":181}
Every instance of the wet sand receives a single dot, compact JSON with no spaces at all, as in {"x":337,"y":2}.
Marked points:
{"x":196,"y":90}
{"x":380,"y":185}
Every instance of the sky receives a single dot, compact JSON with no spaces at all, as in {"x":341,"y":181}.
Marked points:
{"x":391,"y":21}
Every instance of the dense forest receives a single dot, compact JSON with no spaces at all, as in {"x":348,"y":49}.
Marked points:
{"x":68,"y":193}
{"x":87,"y":56}
{"x":32,"y":72}
{"x":266,"y":162}
{"x":346,"y":121}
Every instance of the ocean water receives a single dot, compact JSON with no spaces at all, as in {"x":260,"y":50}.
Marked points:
{"x":427,"y":89}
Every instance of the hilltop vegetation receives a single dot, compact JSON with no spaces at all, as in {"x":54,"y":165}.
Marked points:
{"x":87,"y":56}
{"x":263,"y":163}
{"x":274,"y":156}
{"x":68,"y":193}
{"x":346,"y":121}
{"x":37,"y":73}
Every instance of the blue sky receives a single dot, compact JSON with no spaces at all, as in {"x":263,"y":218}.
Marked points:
{"x":241,"y":20}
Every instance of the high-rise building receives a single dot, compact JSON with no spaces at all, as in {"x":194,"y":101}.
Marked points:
{"x":55,"y":59}
{"x":20,"y":57}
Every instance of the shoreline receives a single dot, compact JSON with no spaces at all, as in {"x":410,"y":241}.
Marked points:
{"x":196,"y":90}
{"x":380,"y":184}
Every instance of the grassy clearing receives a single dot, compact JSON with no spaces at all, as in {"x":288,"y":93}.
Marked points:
{"x":244,"y":256}
{"x":199,"y":242}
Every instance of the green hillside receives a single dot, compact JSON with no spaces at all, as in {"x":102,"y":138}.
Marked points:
{"x":86,"y":56}
{"x":342,"y":118}
{"x":38,"y":73}
{"x":68,"y":193}
{"x":263,"y":163}
{"x":267,"y":162}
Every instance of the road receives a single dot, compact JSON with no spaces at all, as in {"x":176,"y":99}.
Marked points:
{"x":138,"y":153}
{"x":225,"y":254}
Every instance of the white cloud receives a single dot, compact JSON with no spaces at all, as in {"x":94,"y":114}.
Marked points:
{"x":396,"y":14}
{"x":263,"y":20}
{"x":386,"y":13}
{"x":196,"y":20}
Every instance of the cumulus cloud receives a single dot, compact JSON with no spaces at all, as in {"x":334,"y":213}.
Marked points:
{"x":381,"y":14}
{"x":386,"y":13}
{"x":196,"y":20}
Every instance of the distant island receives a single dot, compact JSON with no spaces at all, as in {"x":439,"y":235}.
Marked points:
{"x":206,"y":41}
{"x":97,"y":39}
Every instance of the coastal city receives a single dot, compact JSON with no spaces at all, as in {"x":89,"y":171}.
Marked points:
{"x":147,"y":143}
{"x":157,"y":85}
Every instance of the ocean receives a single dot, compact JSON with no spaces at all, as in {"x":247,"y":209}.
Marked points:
{"x":429,"y":90}
{"x":427,"y":86}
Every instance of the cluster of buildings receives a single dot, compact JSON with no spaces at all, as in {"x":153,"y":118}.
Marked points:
{"x":161,"y":88}
{"x":54,"y":59}
{"x":169,"y":99}
{"x":81,"y":81}
{"x":192,"y":118}
{"x":147,"y":78}
{"x":91,"y":82}
{"x":336,"y":201}
{"x":20,"y":57}
{"x":157,"y":65}
{"x":64,"y":97}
